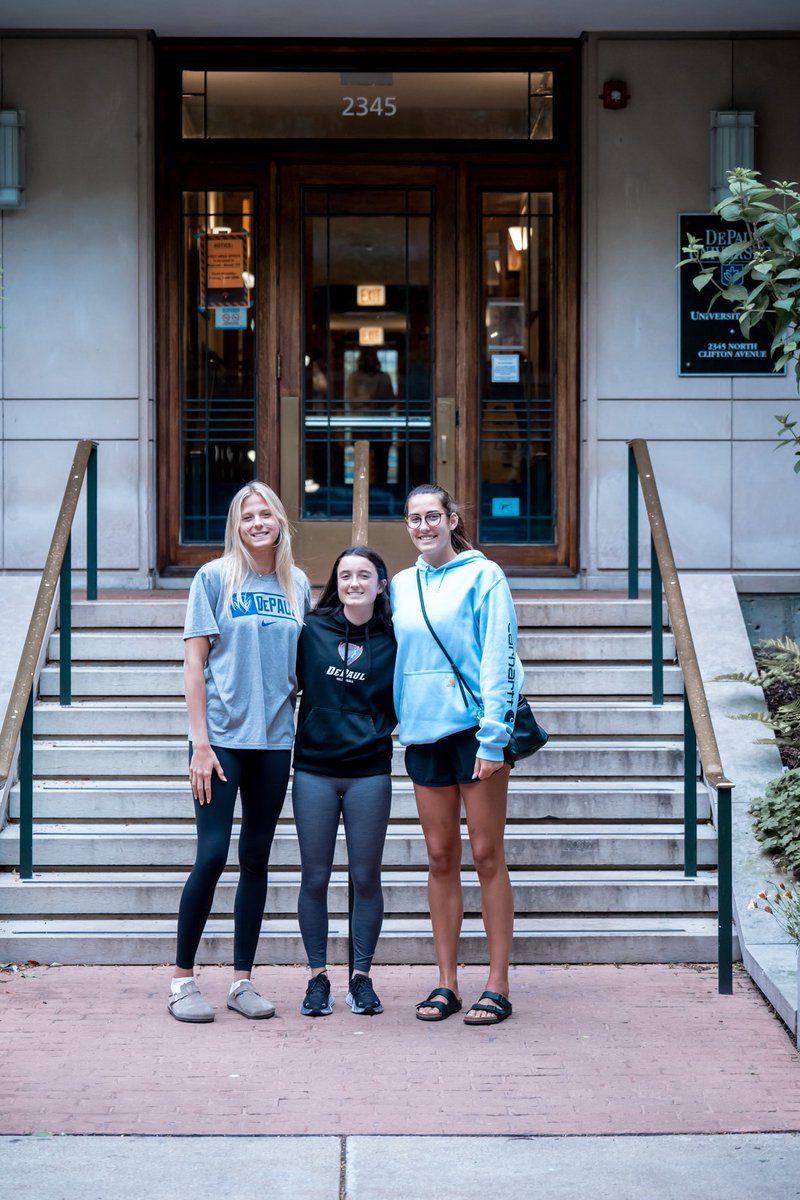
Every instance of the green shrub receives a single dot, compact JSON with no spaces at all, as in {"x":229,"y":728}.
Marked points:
{"x":776,"y":819}
{"x":778,"y":673}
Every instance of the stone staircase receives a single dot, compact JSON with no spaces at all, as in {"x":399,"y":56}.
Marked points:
{"x":594,"y":838}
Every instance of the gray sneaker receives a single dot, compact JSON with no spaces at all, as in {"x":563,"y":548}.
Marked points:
{"x":188,"y":1005}
{"x":246,"y":1000}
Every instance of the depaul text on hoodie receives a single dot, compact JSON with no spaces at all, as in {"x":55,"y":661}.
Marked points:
{"x":346,"y":713}
{"x":469,"y":604}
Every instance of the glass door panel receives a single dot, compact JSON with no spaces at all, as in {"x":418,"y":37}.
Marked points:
{"x":367,"y":306}
{"x":517,"y":387}
{"x":217,"y":359}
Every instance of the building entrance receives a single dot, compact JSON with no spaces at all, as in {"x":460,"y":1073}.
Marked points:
{"x":422,"y":301}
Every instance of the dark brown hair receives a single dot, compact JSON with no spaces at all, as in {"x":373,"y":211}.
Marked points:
{"x":329,"y":596}
{"x":459,"y":539}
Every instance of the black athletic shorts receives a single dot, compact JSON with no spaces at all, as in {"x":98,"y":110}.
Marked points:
{"x":443,"y":763}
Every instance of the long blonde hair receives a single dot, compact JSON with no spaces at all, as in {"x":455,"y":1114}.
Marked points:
{"x":237,"y":559}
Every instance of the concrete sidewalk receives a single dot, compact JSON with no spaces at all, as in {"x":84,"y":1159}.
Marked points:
{"x":733,"y":1167}
{"x":589,"y":1050}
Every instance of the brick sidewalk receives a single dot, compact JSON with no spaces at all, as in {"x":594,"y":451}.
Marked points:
{"x":589,"y":1050}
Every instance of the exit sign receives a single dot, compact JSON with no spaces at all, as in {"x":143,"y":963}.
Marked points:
{"x":370,"y":295}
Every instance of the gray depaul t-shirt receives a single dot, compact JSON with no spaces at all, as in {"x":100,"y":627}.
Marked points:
{"x":250,"y":675}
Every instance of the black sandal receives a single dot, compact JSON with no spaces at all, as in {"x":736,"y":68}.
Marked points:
{"x":451,"y":1004}
{"x":499,"y":1008}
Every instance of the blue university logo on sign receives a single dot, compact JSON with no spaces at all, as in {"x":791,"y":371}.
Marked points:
{"x":353,"y":652}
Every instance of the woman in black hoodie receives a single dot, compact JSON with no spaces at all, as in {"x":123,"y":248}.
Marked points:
{"x":343,"y":763}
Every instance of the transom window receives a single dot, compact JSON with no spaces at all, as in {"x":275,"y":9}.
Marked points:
{"x":504,"y":105}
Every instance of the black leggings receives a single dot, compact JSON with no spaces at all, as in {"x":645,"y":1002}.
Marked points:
{"x":262,"y":777}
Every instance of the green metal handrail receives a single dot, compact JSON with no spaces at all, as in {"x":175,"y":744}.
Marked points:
{"x":698,"y":731}
{"x":56,"y":580}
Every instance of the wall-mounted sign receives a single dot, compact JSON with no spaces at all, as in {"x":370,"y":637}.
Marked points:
{"x":505,"y":368}
{"x":370,"y":295}
{"x":505,"y":506}
{"x":230,"y":318}
{"x":223,"y":262}
{"x":370,"y":335}
{"x":710,"y":340}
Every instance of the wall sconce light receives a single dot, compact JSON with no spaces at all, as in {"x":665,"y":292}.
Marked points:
{"x":615,"y":94}
{"x":12,"y":164}
{"x":733,"y":144}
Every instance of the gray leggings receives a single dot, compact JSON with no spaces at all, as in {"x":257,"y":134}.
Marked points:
{"x":364,"y":804}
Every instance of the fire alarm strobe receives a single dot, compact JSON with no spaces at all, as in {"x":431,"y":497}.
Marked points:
{"x":614,"y":94}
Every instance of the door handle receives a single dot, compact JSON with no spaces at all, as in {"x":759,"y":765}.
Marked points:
{"x":445,"y":438}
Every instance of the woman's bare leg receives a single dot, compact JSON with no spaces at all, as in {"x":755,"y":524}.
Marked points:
{"x":440,"y":816}
{"x":485,"y":803}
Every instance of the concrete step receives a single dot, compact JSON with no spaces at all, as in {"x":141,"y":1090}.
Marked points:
{"x":155,"y":613}
{"x":631,"y":800}
{"x":120,"y":645}
{"x":589,"y":646}
{"x":546,"y":939}
{"x":151,"y":682}
{"x":565,"y":679}
{"x":556,"y":680}
{"x":168,"y":847}
{"x":585,"y":611}
{"x":574,"y":759}
{"x":167,"y":718}
{"x":157,"y":893}
{"x":153,"y":645}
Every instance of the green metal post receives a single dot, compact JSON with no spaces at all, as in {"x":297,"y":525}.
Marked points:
{"x":656,"y":626}
{"x":724,"y":892}
{"x":91,"y":526}
{"x":26,"y":793}
{"x":633,"y":527}
{"x":689,"y":793}
{"x":65,"y":624}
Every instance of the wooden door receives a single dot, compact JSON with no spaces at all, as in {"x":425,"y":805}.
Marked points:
{"x":366,"y":335}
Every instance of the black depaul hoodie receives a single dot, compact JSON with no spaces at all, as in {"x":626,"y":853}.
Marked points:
{"x":346,"y":710}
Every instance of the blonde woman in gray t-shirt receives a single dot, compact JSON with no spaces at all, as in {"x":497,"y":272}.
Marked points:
{"x":243,"y":620}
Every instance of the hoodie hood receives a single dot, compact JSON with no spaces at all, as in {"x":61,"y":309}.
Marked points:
{"x":434,"y":577}
{"x":335,"y":621}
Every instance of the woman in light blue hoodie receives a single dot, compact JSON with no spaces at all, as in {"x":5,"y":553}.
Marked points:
{"x":456,"y":683}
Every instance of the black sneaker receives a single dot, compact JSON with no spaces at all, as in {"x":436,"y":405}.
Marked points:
{"x":362,"y":998}
{"x":318,"y":1001}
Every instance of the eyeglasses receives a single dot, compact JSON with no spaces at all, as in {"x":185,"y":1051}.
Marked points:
{"x":430,"y":518}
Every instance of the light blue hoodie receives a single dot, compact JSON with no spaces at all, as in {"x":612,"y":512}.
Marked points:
{"x":469,"y":604}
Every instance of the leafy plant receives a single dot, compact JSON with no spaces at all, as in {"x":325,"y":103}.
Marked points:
{"x":788,"y":437}
{"x":784,"y":905}
{"x":777,"y":667}
{"x":765,"y":285}
{"x":776,"y":819}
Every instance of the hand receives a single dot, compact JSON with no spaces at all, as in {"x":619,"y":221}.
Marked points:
{"x":485,"y":767}
{"x":203,"y":765}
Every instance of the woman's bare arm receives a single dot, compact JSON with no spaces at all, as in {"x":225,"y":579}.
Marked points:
{"x":204,"y":761}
